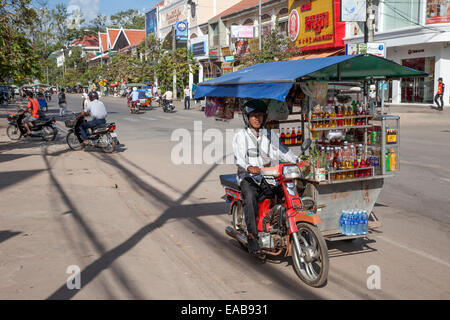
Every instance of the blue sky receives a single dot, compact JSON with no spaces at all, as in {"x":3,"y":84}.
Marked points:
{"x":106,"y":7}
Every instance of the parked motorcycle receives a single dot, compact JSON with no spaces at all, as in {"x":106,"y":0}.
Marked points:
{"x":168,"y":106}
{"x":44,"y":127}
{"x":284,"y":224}
{"x":103,"y":136}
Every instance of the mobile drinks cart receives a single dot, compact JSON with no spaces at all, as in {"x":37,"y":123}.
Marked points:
{"x":354,"y":147}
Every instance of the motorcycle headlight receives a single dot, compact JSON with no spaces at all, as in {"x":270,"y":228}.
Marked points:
{"x":291,"y":172}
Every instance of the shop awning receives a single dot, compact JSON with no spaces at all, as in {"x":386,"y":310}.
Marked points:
{"x":328,"y":53}
{"x":273,"y":80}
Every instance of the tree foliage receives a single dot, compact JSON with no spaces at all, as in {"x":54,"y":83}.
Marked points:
{"x":17,"y":58}
{"x":130,"y":19}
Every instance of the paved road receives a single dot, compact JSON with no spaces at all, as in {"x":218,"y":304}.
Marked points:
{"x":139,"y":226}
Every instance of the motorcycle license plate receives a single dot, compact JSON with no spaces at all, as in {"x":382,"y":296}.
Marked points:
{"x":113,"y":134}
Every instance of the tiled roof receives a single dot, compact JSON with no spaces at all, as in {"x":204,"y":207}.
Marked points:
{"x":103,"y":40}
{"x":86,"y":41}
{"x":135,"y":37}
{"x":244,"y":4}
{"x":112,"y":33}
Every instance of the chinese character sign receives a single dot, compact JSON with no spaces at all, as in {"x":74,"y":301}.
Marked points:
{"x":438,"y":11}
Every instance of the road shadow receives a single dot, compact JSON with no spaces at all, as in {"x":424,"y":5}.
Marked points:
{"x":11,"y":178}
{"x":7,"y":234}
{"x":11,"y":157}
{"x":350,"y":247}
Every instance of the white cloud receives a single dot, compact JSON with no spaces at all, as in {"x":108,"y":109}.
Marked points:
{"x":88,"y":8}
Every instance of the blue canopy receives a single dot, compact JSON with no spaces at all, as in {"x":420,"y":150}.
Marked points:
{"x":273,"y":80}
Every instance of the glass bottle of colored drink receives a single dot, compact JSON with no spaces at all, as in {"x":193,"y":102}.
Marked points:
{"x":293,"y":136}
{"x":282,"y":137}
{"x":288,"y":137}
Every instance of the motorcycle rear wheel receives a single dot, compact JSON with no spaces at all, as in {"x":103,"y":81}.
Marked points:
{"x":111,"y":144}
{"x":73,"y":142}
{"x":238,"y":220}
{"x":13,"y":132}
{"x":314,"y":269}
{"x":49,"y":133}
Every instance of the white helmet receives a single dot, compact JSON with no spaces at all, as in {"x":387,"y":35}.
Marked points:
{"x":134,"y":88}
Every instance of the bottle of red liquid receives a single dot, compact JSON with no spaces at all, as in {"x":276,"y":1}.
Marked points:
{"x":362,"y":173}
{"x":340,"y":122}
{"x":356,"y":166}
{"x":293,"y":136}
{"x":282,"y":137}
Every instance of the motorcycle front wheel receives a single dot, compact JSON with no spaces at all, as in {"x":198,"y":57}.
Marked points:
{"x":49,"y":133}
{"x":311,"y":262}
{"x":73,"y":142}
{"x":111,"y":146}
{"x":13,"y":132}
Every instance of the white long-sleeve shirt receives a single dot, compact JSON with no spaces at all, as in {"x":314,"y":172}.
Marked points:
{"x":264,"y":153}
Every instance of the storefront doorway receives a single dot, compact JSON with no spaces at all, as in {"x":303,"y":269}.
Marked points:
{"x":418,"y":90}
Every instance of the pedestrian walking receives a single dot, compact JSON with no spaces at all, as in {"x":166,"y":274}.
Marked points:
{"x":440,"y":95}
{"x":187,"y":98}
{"x":62,"y":103}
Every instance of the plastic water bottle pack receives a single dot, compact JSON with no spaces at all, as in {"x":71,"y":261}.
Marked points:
{"x":352,"y":223}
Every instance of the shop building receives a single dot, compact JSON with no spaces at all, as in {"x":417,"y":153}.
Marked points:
{"x":315,"y":28}
{"x":234,"y":33}
{"x":416,"y":34}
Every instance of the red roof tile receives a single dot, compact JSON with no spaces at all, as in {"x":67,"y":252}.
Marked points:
{"x":104,"y":39}
{"x":86,"y":41}
{"x":113,"y":33}
{"x":135,"y":37}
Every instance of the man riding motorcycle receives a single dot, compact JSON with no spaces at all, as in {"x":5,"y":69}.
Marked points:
{"x":134,"y":95}
{"x":254,"y":148}
{"x":33,"y":107}
{"x":97,"y":110}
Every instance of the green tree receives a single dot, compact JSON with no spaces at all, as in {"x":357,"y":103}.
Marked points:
{"x":99,"y":23}
{"x":130,"y":19}
{"x":17,"y":59}
{"x":274,"y":48}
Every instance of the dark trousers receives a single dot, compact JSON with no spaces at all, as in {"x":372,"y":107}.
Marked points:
{"x":251,"y":193}
{"x":89,"y":124}
{"x":436,"y":97}
{"x":187,"y":102}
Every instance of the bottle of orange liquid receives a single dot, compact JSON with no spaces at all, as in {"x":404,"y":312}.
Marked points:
{"x":392,"y":160}
{"x":333,"y":117}
{"x":288,"y":137}
{"x":299,"y":135}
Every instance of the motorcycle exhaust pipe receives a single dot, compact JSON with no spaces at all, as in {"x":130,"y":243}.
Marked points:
{"x":236,"y":235}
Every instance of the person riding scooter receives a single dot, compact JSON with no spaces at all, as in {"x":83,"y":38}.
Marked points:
{"x":97,"y":110}
{"x":134,"y":95}
{"x":254,"y":148}
{"x":33,"y":107}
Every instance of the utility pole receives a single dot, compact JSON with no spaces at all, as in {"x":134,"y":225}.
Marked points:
{"x":259,"y":24}
{"x":369,"y":26}
{"x":174,"y":47}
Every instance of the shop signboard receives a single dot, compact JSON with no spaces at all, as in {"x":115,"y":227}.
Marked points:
{"x":314,"y":24}
{"x":182,"y":30}
{"x":438,"y":11}
{"x":198,"y":49}
{"x":150,"y":22}
{"x":229,"y":58}
{"x":377,"y":49}
{"x":353,"y":10}
{"x":351,"y":48}
{"x":242,"y":31}
{"x":213,"y":54}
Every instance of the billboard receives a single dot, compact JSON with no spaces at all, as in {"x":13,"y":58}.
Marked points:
{"x":242,"y":31}
{"x":181,"y":30}
{"x":438,"y":11}
{"x":353,"y":10}
{"x":150,"y":22}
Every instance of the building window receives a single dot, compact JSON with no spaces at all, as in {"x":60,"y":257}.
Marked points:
{"x":266,"y":17}
{"x":400,"y":14}
{"x":283,"y":28}
{"x":248,"y":22}
{"x":283,"y":13}
{"x":418,"y":90}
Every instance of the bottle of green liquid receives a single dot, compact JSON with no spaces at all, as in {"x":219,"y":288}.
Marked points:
{"x":387,"y":160}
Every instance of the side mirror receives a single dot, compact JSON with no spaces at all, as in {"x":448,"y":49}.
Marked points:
{"x":306,"y":144}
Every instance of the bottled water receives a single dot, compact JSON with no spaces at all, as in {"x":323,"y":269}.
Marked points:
{"x":341,"y":222}
{"x":345,"y":227}
{"x":360,"y":227}
{"x":355,"y":225}
{"x":366,"y":222}
{"x":351,"y":218}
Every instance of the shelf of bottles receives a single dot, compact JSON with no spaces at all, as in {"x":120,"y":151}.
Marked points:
{"x":385,"y":136}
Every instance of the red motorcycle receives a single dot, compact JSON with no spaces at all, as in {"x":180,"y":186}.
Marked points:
{"x":284,"y":223}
